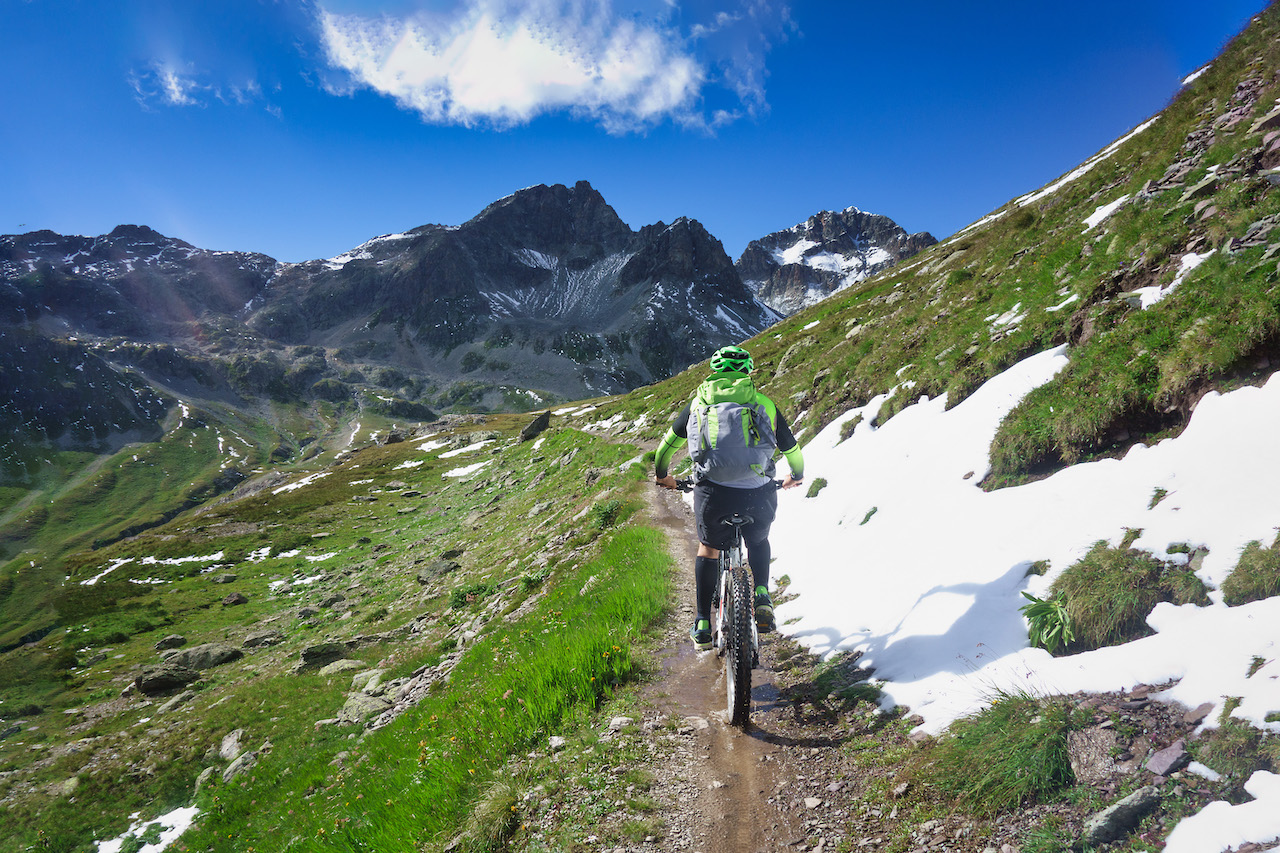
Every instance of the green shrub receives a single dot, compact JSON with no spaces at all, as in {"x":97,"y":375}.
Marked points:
{"x":605,"y":514}
{"x":469,"y":594}
{"x":1011,"y":754}
{"x":1255,"y":577}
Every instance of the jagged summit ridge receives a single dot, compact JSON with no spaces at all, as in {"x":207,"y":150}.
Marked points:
{"x":802,"y":265}
{"x":544,"y":294}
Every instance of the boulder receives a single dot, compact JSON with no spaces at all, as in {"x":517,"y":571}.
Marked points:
{"x":234,"y":599}
{"x":361,"y":706}
{"x":340,"y":666}
{"x":321,"y":654}
{"x":1115,"y":821}
{"x":1205,"y":188}
{"x":230,"y":749}
{"x":165,"y":678}
{"x":537,"y":426}
{"x":436,"y":568}
{"x":172,"y":641}
{"x":181,"y":699}
{"x":204,"y":656}
{"x":1269,"y":121}
{"x":367,"y":681}
{"x":243,"y":764}
{"x":260,"y":639}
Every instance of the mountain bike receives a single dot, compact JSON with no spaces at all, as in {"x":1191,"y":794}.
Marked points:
{"x":733,"y":628}
{"x":733,"y":631}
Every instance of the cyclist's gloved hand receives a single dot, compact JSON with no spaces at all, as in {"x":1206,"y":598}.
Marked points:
{"x":667,"y":482}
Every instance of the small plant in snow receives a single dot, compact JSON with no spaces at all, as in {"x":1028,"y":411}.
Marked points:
{"x":1048,"y":625}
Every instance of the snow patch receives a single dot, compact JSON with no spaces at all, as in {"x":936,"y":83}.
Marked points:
{"x":1103,"y":212}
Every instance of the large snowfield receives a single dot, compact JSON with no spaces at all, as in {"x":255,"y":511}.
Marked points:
{"x":903,"y":557}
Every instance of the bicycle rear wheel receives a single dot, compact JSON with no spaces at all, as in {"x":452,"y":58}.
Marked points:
{"x":737,"y":665}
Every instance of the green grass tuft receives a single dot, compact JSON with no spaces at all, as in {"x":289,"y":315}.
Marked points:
{"x":1255,"y":577}
{"x":1108,"y":594}
{"x":1011,"y":754}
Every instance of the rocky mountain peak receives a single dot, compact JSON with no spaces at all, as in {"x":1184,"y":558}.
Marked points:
{"x":802,"y":265}
{"x":543,"y":217}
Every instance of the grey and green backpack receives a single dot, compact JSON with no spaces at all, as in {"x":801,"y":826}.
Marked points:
{"x":731,"y":432}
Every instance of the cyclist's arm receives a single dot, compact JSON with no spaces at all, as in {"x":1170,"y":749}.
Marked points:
{"x":677,"y":436}
{"x":790,"y":448}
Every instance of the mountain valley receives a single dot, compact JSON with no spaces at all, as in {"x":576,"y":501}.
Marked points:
{"x":287,"y":545}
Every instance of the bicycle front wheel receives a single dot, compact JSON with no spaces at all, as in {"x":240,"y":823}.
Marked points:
{"x":738,"y":660}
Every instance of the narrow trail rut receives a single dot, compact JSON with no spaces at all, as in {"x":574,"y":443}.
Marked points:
{"x":728,"y":789}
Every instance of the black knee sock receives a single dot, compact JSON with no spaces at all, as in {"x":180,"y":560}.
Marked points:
{"x":758,"y":555}
{"x":704,"y":576}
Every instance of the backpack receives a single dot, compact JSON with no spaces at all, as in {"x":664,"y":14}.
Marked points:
{"x":731,"y":432}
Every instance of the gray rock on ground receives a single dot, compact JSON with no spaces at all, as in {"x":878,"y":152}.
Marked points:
{"x":1120,"y":818}
{"x":204,"y":656}
{"x":165,"y":678}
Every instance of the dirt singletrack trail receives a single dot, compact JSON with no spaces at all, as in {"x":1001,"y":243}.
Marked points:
{"x":736,"y":787}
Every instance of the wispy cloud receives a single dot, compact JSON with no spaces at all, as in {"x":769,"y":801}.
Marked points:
{"x":505,"y":62}
{"x":164,"y":83}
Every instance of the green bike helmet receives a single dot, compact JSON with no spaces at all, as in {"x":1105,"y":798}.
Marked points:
{"x":731,"y":360}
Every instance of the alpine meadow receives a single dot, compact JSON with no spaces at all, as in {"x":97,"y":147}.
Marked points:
{"x":331,"y":556}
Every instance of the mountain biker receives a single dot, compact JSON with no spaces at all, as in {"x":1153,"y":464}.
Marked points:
{"x":733,"y":431}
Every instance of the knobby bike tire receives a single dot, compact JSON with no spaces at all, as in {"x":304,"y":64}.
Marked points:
{"x":738,"y":660}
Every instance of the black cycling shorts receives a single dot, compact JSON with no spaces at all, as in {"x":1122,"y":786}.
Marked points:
{"x":712,"y":503}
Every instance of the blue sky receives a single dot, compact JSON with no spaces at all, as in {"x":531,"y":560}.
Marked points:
{"x":300,"y":128}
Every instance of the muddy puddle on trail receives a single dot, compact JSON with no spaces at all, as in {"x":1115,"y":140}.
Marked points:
{"x":741,"y":777}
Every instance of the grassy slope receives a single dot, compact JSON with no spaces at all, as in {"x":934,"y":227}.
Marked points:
{"x":932,"y":322}
{"x":933,"y":325}
{"x":533,"y":537}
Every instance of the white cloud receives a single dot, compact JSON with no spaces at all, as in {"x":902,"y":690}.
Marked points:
{"x":166,"y":83}
{"x":509,"y":61}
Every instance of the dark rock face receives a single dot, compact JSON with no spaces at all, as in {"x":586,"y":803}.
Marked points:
{"x":133,"y":281}
{"x":792,"y":269}
{"x":545,"y":292}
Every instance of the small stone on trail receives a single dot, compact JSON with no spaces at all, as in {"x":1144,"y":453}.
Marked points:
{"x":812,"y":802}
{"x":1197,"y":715}
{"x":556,"y":743}
{"x":1171,"y":758}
